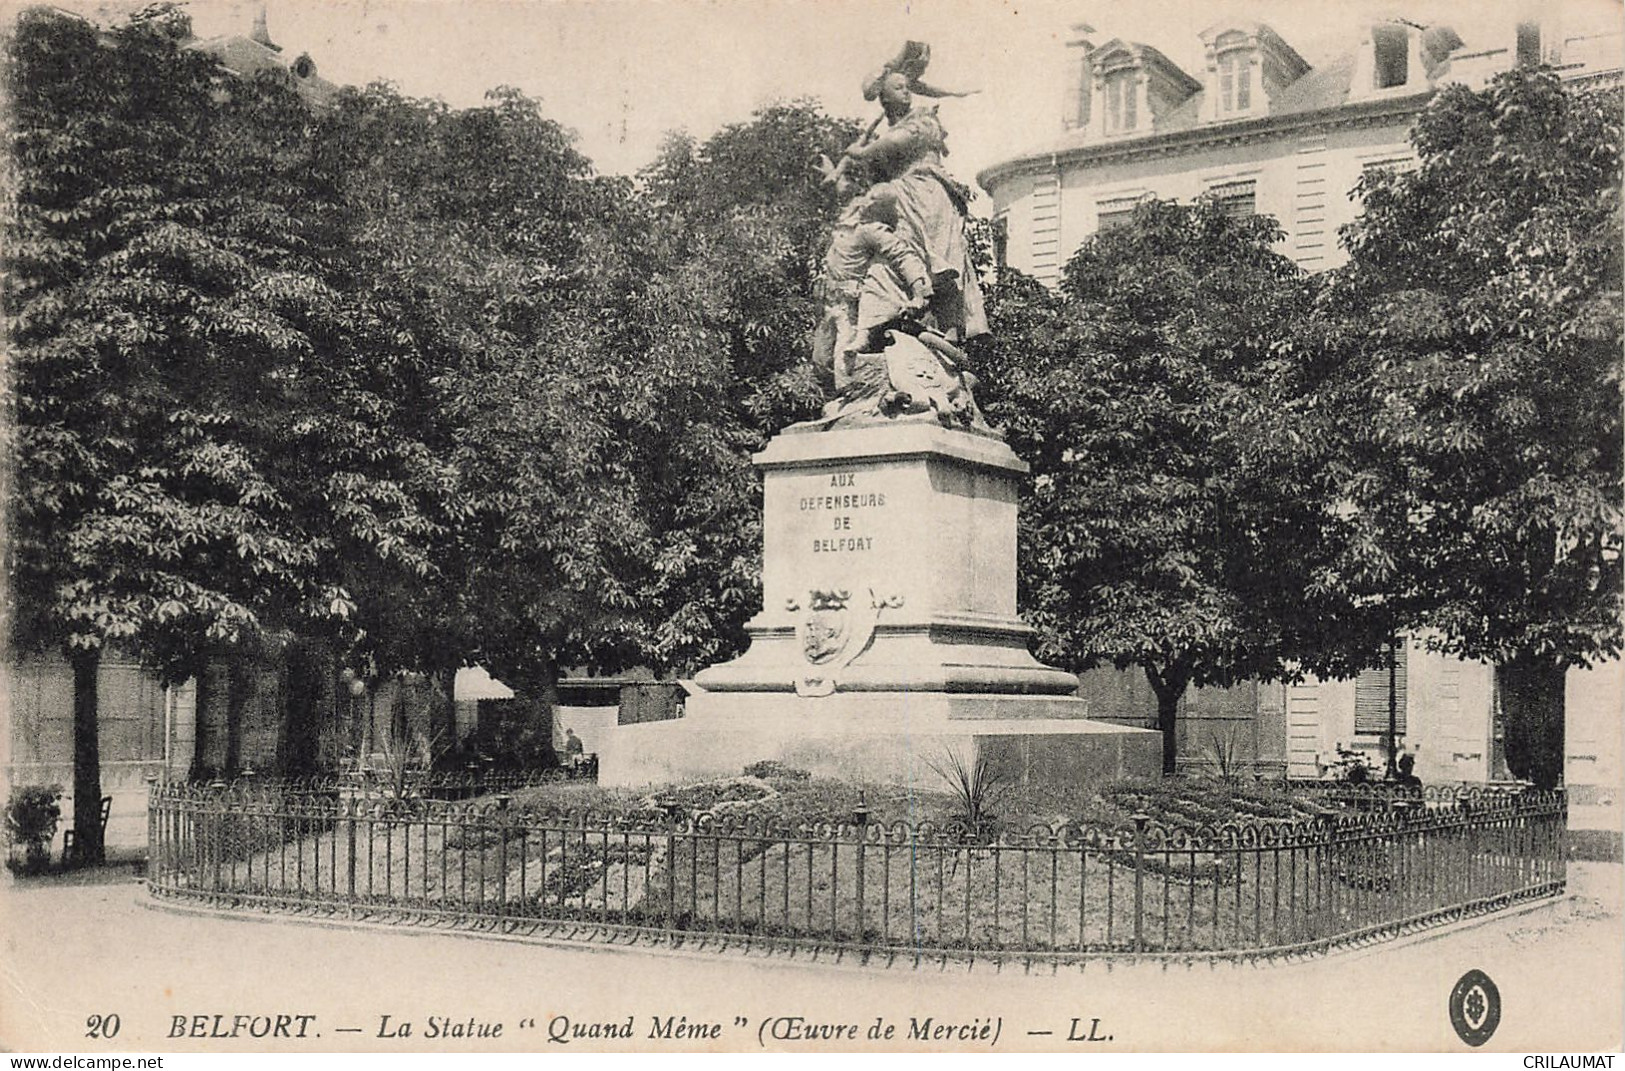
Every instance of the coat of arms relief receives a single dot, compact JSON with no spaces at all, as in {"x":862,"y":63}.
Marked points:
{"x":834,"y":626}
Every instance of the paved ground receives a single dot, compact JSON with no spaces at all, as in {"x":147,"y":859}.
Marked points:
{"x":74,"y":951}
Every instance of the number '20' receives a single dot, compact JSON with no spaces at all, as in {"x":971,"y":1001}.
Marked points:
{"x":102,"y":1026}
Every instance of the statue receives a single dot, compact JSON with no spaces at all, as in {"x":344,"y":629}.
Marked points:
{"x":871,"y":278}
{"x":901,"y":295}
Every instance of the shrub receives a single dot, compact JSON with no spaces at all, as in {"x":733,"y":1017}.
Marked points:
{"x":32,"y":814}
{"x":977,"y":787}
{"x":509,"y":740}
{"x":706,"y":795}
{"x":771,"y":769}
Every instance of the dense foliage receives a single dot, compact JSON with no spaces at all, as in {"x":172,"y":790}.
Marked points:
{"x":204,"y":446}
{"x":1145,"y":539}
{"x":412,"y":387}
{"x":1477,"y":328}
{"x":388,"y":385}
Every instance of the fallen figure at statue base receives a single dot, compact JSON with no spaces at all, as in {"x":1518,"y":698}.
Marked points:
{"x":916,"y":372}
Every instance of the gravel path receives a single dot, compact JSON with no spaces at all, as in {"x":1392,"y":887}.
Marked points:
{"x":75,"y":951}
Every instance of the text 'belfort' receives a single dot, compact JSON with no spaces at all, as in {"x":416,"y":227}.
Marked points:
{"x":842,"y":500}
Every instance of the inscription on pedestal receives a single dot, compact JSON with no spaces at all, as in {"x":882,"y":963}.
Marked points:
{"x":888,"y":565}
{"x":850,"y":511}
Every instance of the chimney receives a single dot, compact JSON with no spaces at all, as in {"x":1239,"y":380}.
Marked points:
{"x":1080,"y":78}
{"x":261,"y":34}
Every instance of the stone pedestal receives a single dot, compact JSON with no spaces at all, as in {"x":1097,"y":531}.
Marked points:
{"x":888,"y":633}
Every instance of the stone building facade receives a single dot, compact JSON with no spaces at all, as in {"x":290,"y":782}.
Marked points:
{"x":1261,"y":131}
{"x":1258,"y":129}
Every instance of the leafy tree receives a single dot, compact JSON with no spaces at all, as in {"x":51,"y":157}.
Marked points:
{"x":1147,"y":535}
{"x":198,"y":454}
{"x":1477,"y":329}
{"x":734,"y":229}
{"x":451,"y":223}
{"x":486,"y":241}
{"x":605,"y":360}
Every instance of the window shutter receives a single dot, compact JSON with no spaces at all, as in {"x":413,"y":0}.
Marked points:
{"x":1371,"y":697}
{"x":1236,"y":199}
{"x":1109,"y":214}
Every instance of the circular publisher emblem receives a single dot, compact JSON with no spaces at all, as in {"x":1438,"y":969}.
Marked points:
{"x":1475,"y":1007}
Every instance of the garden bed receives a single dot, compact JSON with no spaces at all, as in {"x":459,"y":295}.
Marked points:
{"x":1176,"y":865}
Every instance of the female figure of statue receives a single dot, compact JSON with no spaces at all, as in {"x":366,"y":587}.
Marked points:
{"x":899,"y":290}
{"x":931,"y":204}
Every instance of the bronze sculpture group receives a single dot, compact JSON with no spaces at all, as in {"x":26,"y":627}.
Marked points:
{"x":900,"y":293}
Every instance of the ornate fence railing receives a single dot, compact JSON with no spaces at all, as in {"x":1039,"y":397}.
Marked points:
{"x":379,"y":783}
{"x":1379,"y":794}
{"x":901,"y":889}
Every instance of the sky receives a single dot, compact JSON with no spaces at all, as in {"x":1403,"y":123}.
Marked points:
{"x":622,"y":73}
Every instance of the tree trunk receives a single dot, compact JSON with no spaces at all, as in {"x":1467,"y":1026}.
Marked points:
{"x":545,"y":706}
{"x":1532,"y":704}
{"x":202,"y":699}
{"x":87,"y":761}
{"x":1169,"y":683}
{"x":300,"y":721}
{"x":443,"y":726}
{"x":241,"y":673}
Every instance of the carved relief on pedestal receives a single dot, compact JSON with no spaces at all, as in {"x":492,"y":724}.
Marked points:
{"x":833,"y":628}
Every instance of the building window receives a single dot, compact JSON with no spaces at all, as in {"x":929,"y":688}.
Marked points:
{"x":1121,"y":104}
{"x":1371,"y":693}
{"x":1001,"y":240}
{"x":1235,"y":81}
{"x":1529,"y":44}
{"x":1235,"y":199}
{"x":1398,"y":165}
{"x":1116,"y":213}
{"x":1391,"y":48}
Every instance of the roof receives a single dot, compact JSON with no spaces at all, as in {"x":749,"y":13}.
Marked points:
{"x":1322,"y":89}
{"x":248,"y":57}
{"x":1149,"y":58}
{"x":1320,"y":93}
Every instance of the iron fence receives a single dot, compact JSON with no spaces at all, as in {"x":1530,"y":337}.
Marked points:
{"x":380,"y":783}
{"x":1378,"y":794}
{"x":898,"y":889}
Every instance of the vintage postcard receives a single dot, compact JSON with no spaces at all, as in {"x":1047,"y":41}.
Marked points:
{"x":791,"y":526}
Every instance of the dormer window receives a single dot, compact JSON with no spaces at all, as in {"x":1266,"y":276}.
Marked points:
{"x":1122,"y":104}
{"x":1247,"y":64}
{"x":1390,"y":48}
{"x":1135,"y":87}
{"x":1235,"y":81}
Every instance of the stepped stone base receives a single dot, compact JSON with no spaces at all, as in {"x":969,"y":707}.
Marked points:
{"x":890,"y":738}
{"x":888,"y":635}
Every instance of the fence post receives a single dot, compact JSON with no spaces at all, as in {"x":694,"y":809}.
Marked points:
{"x":152,"y":823}
{"x":1560,"y":864}
{"x":350,"y":806}
{"x":1139,"y":881}
{"x":860,"y":816}
{"x":673,"y":810}
{"x":1470,"y":843}
{"x":217,"y":830}
{"x":502,"y":857}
